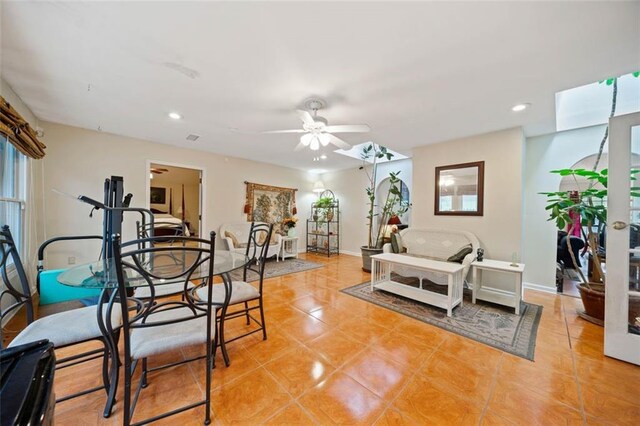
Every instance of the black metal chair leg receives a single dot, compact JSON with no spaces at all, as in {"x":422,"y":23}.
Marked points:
{"x":246,"y":310}
{"x":208,"y":372}
{"x":264,"y":326}
{"x":144,"y":373}
{"x":113,"y":384}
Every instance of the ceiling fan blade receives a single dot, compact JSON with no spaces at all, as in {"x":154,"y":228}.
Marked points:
{"x":284,"y":131}
{"x":348,"y":128}
{"x":300,"y":147}
{"x":339,"y":142}
{"x":305,"y":116}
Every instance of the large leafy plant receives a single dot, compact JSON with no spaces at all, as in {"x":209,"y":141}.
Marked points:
{"x":372,"y":153}
{"x":588,"y":204}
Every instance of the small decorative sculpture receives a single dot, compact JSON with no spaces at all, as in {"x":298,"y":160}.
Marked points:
{"x":480,"y":255}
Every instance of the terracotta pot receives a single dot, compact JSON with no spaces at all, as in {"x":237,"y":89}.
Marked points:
{"x":367,"y":252}
{"x":593,"y":300}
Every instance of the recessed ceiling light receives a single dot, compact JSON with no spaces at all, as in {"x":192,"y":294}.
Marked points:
{"x":520,"y":107}
{"x":175,"y":115}
{"x":323,"y":157}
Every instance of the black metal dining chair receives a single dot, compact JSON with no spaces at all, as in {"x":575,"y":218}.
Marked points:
{"x":146,"y":231}
{"x":64,"y":329}
{"x":243,"y":294}
{"x":153,"y":327}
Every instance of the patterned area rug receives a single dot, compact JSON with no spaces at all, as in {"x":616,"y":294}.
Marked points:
{"x":484,"y":322}
{"x":275,"y":269}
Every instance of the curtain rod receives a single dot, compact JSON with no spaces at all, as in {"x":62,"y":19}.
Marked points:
{"x":270,"y":186}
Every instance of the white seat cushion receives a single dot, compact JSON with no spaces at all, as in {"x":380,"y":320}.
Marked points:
{"x":161,"y":290}
{"x":67,"y":327}
{"x":240,"y":292}
{"x":150,"y":341}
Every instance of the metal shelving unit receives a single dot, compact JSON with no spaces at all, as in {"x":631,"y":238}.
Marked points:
{"x":323,"y":229}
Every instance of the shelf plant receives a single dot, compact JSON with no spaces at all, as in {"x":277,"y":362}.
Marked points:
{"x":324,"y":206}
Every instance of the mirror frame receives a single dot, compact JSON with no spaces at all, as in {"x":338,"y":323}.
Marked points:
{"x":480,"y":210}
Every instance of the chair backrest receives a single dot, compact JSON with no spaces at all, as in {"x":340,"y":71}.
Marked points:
{"x":257,"y":249}
{"x":155,"y":264}
{"x":14,"y":278}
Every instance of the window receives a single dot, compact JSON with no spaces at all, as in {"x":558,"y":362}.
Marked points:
{"x":13,"y":190}
{"x":446,"y":203}
{"x":469,"y":203}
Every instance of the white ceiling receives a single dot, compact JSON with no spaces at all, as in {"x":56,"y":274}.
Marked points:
{"x":417,"y":73}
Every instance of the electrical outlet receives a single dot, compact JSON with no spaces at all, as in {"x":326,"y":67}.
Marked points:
{"x":71,"y":260}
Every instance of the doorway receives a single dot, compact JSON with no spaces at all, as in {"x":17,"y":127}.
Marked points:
{"x":175,"y":196}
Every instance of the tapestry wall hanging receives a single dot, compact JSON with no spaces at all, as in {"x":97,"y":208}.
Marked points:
{"x":270,"y":204}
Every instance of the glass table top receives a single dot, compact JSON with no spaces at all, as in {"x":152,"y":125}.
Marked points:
{"x":166,"y":267}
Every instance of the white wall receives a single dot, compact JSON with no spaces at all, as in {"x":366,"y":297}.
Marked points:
{"x":500,"y":228}
{"x":543,"y":154}
{"x":349,"y":187}
{"x":79,"y":160}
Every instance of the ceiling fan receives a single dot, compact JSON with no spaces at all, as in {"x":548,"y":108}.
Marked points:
{"x":317,"y":131}
{"x":158,"y":170}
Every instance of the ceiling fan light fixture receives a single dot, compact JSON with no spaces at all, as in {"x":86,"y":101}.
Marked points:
{"x":306,"y":139}
{"x":315,"y":144}
{"x":325,"y":138}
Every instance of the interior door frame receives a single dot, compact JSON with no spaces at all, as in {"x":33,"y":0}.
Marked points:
{"x":618,"y":342}
{"x":202,"y":225}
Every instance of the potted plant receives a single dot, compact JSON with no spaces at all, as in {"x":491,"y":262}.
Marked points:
{"x":590,"y":206}
{"x":372,"y":153}
{"x":289,"y":224}
{"x":324,"y":206}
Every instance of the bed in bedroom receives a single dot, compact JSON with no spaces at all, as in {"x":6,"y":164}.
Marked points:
{"x":168,"y":225}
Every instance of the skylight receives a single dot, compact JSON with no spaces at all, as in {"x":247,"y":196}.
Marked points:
{"x":356,"y":150}
{"x":590,"y":105}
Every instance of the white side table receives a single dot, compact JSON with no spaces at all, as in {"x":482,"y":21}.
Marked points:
{"x":502,"y":297}
{"x":289,"y":247}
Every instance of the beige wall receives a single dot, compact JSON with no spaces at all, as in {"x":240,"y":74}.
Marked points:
{"x":500,"y":228}
{"x":79,"y":160}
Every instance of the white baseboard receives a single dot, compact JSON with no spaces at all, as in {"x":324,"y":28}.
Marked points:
{"x":351,"y":253}
{"x":540,"y":287}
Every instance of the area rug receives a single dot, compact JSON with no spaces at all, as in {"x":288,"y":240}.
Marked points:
{"x":484,"y":322}
{"x":276,"y":269}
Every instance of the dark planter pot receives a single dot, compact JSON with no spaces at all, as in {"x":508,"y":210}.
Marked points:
{"x":593,"y":301}
{"x":367,"y":252}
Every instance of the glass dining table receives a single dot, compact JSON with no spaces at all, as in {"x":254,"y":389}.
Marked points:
{"x":166,"y":268}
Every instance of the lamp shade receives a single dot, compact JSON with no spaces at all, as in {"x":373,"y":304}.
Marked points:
{"x":318,"y":186}
{"x":394,"y":220}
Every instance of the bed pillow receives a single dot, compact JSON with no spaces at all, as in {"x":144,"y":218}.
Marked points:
{"x":396,"y":243}
{"x":459,"y":256}
{"x":234,"y":240}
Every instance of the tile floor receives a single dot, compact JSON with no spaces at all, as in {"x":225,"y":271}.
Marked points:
{"x":334,"y":359}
